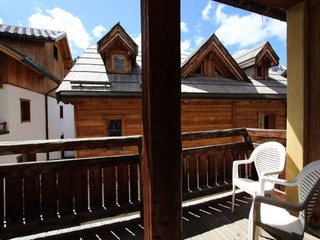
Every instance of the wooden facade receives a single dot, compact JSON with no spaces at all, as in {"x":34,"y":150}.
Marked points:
{"x":25,"y":59}
{"x":215,"y":92}
{"x":92,"y":115}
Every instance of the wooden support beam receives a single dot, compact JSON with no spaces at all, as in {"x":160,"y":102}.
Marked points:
{"x":312,"y":97}
{"x":161,"y":87}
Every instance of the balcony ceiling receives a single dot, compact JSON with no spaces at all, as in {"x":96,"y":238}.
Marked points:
{"x":271,"y":8}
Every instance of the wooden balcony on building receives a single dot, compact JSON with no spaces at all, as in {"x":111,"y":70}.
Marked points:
{"x":74,"y":197}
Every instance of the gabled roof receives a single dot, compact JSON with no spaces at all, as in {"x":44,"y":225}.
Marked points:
{"x":221,"y":57}
{"x":36,"y":34}
{"x":116,"y":36}
{"x":260,"y":53}
{"x":88,"y":78}
{"x":30,"y":33}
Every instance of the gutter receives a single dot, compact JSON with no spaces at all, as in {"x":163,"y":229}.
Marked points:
{"x":47,"y":114}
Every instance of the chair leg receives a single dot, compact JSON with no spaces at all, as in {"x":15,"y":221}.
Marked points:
{"x":253,"y":233}
{"x":253,"y":230}
{"x":233,"y":197}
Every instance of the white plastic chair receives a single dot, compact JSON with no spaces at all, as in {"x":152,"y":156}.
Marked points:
{"x":269,"y":160}
{"x":271,"y":214}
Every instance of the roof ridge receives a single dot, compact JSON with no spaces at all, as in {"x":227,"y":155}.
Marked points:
{"x":251,"y":50}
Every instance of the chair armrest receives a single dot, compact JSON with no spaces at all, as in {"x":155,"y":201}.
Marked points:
{"x":235,"y":172}
{"x":297,"y":207}
{"x":271,"y":173}
{"x":273,"y":180}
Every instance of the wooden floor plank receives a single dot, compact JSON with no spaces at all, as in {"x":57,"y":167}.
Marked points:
{"x":203,"y":221}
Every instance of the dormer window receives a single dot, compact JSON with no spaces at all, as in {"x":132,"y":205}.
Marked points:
{"x":118,"y":51}
{"x":119,"y":63}
{"x":261,"y":72}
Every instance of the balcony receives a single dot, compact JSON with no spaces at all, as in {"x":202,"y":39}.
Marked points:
{"x":69,"y":196}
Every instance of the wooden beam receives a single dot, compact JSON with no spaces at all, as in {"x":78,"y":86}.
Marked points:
{"x":312,"y":97}
{"x":162,"y":197}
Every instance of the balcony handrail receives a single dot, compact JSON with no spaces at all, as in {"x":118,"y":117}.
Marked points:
{"x":67,"y":144}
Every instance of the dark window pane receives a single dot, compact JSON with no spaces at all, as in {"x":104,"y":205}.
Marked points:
{"x":115,"y":128}
{"x":118,"y":63}
{"x":25,"y":110}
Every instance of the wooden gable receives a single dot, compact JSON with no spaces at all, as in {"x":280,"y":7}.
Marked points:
{"x":118,"y":51}
{"x":212,"y":60}
{"x":265,"y":59}
{"x":267,"y":55}
{"x":256,"y":62}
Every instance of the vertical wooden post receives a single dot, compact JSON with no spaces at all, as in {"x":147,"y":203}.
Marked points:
{"x":161,"y":119}
{"x":303,"y":125}
{"x":313,"y":78}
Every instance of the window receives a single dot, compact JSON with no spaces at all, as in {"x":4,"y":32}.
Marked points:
{"x":267,"y":121}
{"x":61,"y":112}
{"x":118,"y":63}
{"x":55,"y":52}
{"x":25,"y":110}
{"x":115,"y":128}
{"x":259,"y":71}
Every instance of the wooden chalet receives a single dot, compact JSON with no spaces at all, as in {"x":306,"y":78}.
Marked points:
{"x":33,"y":63}
{"x":72,"y":191}
{"x":105,"y":88}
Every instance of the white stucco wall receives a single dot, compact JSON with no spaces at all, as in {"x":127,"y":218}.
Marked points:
{"x":60,"y":126}
{"x":36,"y":129}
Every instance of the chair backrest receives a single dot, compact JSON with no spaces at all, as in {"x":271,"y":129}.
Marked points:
{"x":269,"y":156}
{"x":308,"y":182}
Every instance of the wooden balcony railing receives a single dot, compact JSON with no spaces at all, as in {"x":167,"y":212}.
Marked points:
{"x":41,"y":196}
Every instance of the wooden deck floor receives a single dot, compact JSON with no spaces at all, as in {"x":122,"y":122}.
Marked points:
{"x":201,"y":221}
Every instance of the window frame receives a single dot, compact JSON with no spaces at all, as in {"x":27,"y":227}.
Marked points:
{"x":108,"y":131}
{"x":268,"y":118}
{"x":25,"y":110}
{"x":121,"y":70}
{"x":61,"y":111}
{"x":117,"y":120}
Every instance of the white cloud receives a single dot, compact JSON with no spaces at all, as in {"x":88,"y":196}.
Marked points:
{"x":206,"y":11}
{"x":198,"y":27}
{"x":183,"y":27}
{"x":220,"y":15}
{"x":137,"y":40}
{"x":185,"y":46}
{"x":59,"y":19}
{"x":98,"y":31}
{"x":275,"y":28}
{"x":1,"y":21}
{"x":198,"y":40}
{"x":247,"y":30}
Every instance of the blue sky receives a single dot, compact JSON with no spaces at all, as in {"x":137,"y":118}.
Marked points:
{"x":87,"y":21}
